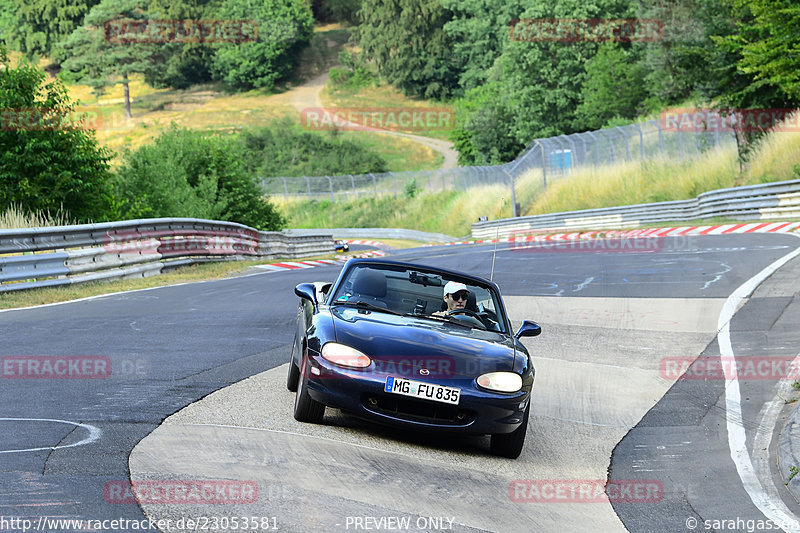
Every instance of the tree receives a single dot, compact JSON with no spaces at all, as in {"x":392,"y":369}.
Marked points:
{"x":181,"y":64}
{"x":768,"y":42}
{"x":406,"y":41}
{"x":41,"y":25}
{"x":186,"y":173}
{"x":47,"y":160}
{"x":483,"y":133}
{"x":285,"y":28}
{"x":100,"y":53}
{"x":614,"y":87}
{"x":478,"y":32}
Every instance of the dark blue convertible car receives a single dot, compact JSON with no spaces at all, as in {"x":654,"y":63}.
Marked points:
{"x":381,"y":344}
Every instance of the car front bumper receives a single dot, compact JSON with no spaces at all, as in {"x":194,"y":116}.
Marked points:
{"x":361,"y":393}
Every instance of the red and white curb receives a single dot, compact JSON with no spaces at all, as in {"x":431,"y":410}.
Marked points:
{"x":295,"y":265}
{"x":678,"y":231}
{"x":369,"y":243}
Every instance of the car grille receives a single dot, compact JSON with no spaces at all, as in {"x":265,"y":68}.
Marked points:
{"x":417,"y":410}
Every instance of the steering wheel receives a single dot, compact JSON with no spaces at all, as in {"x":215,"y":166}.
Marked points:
{"x":470,"y":316}
{"x":469,"y":312}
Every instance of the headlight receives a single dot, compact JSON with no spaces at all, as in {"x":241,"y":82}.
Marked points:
{"x":342,"y":355}
{"x":501,"y":381}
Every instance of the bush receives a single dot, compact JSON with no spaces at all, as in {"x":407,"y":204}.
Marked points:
{"x":284,"y":30}
{"x":284,"y":149}
{"x":354,"y":75}
{"x":189,"y":174}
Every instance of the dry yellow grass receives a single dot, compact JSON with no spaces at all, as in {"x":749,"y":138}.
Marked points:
{"x":15,"y":217}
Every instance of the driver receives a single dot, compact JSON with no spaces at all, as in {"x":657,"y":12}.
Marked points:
{"x":455,"y":296}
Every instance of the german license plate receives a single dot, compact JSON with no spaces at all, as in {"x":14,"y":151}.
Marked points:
{"x":420,"y":389}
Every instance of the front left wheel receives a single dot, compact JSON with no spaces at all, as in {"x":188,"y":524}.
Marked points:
{"x":294,"y":372}
{"x":306,"y":409}
{"x":510,"y":444}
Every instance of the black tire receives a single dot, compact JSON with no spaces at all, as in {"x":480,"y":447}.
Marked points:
{"x":306,"y":409}
{"x":292,"y":376}
{"x":294,"y":372}
{"x":510,"y":444}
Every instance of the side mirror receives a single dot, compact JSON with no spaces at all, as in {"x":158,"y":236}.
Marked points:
{"x":528,"y":329}
{"x":307,"y":291}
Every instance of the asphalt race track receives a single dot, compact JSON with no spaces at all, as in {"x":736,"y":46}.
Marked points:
{"x":186,"y":384}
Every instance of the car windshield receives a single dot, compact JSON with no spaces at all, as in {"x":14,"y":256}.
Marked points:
{"x":419,"y":292}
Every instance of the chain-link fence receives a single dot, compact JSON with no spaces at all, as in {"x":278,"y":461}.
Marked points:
{"x":679,"y":138}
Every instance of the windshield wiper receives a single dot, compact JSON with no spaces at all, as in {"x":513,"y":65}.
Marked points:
{"x":449,"y":320}
{"x":361,"y":304}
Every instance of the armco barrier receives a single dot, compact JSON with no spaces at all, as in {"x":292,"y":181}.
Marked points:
{"x":770,"y":201}
{"x":40,"y":257}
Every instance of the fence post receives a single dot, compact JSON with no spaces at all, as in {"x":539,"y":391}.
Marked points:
{"x":627,"y":147}
{"x":353,"y":181}
{"x":394,"y":184}
{"x":308,"y":183}
{"x":330,"y":182}
{"x":374,"y":185}
{"x":285,"y":190}
{"x":596,"y":148}
{"x":544,"y":166}
{"x":641,"y":140}
{"x":514,"y":213}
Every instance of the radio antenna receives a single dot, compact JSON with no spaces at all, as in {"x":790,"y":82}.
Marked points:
{"x":494,"y":254}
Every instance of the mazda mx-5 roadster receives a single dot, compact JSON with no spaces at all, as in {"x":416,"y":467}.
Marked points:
{"x":384,"y":342}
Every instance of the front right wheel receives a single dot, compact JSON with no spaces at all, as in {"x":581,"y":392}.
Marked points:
{"x":510,"y":444}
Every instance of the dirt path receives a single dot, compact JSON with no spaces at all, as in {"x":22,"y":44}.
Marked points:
{"x":308,"y":95}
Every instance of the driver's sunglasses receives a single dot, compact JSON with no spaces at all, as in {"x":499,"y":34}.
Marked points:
{"x":457,"y":296}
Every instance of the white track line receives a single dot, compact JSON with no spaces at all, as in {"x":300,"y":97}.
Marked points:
{"x":94,"y":434}
{"x":776,"y":511}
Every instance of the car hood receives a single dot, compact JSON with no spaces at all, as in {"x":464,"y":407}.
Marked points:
{"x":423,"y":342}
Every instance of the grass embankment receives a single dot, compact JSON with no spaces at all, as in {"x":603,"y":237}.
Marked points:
{"x":452,"y":212}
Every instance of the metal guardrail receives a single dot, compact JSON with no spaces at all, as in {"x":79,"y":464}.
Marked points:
{"x":62,"y":255}
{"x":778,"y":200}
